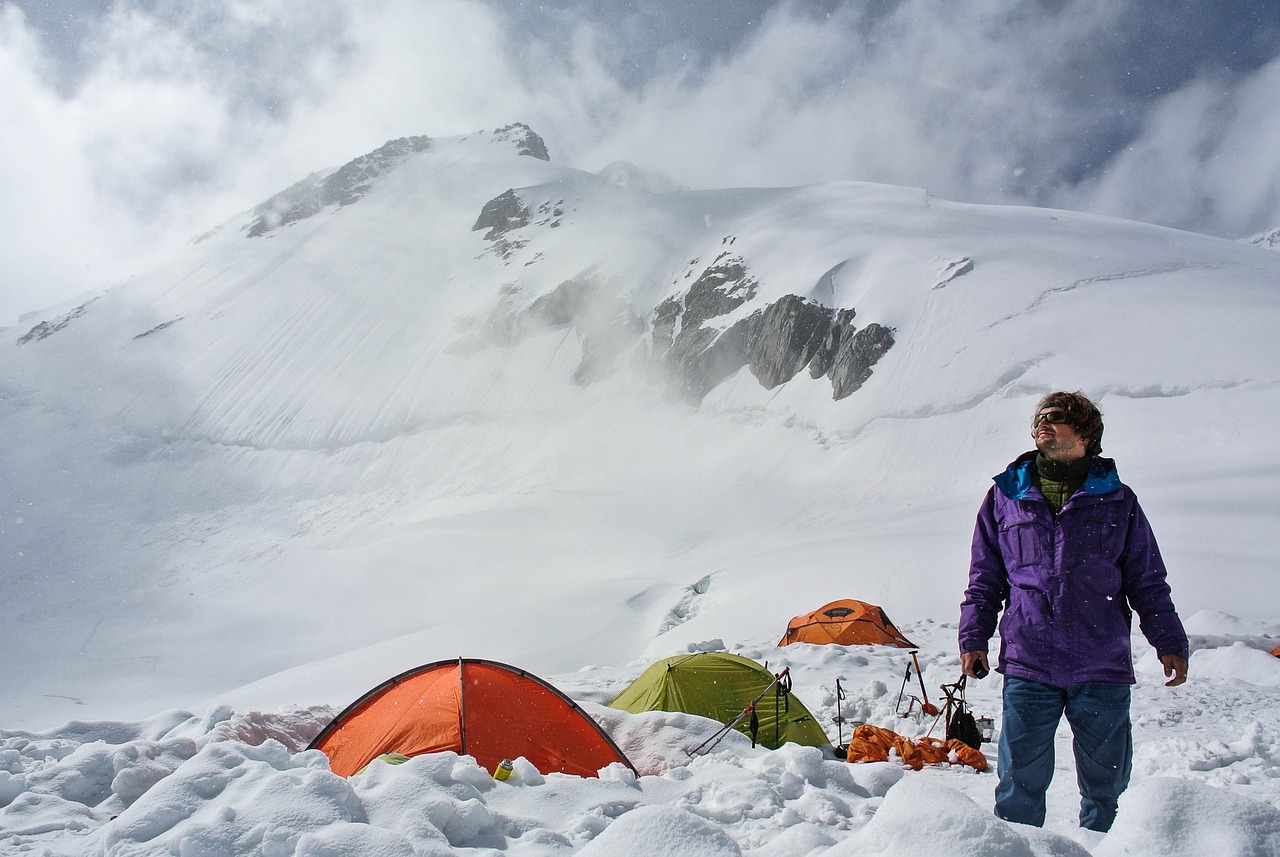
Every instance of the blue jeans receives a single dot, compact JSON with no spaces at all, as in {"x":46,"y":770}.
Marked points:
{"x":1102,"y":740}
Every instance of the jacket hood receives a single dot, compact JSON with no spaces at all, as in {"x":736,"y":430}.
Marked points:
{"x":1015,"y":482}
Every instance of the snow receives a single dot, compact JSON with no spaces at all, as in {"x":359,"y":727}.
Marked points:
{"x":241,"y":783}
{"x":293,"y":487}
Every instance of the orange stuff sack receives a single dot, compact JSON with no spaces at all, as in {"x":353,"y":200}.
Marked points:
{"x":874,"y":744}
{"x":956,"y":752}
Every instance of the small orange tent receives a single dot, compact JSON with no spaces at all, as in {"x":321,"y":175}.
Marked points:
{"x":1276,"y":651}
{"x":484,"y":709}
{"x":846,"y":623}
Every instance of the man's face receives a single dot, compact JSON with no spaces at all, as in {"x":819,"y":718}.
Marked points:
{"x":1059,"y":441}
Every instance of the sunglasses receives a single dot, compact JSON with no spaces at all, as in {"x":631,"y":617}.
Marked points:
{"x":1051,"y":417}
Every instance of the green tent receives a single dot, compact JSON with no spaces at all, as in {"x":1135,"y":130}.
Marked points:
{"x":720,"y":686}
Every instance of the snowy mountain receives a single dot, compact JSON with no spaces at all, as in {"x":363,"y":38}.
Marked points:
{"x":453,"y":398}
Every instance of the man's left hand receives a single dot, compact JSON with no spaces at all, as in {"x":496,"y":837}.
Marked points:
{"x":1176,"y":666}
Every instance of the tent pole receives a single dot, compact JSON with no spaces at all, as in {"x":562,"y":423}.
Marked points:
{"x":724,"y":730}
{"x":462,"y":708}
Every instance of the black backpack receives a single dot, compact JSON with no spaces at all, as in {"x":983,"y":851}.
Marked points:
{"x":964,"y":728}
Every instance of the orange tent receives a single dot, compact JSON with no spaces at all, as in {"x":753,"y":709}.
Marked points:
{"x":484,"y":709}
{"x":847,"y":623}
{"x":1276,"y":651}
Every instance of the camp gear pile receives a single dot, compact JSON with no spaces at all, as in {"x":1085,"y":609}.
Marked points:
{"x":496,"y":713}
{"x":874,"y":744}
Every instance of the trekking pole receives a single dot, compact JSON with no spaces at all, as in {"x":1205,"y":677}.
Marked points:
{"x":781,"y":700}
{"x":897,"y":706}
{"x":724,"y":730}
{"x":840,"y":715}
{"x":777,"y":713}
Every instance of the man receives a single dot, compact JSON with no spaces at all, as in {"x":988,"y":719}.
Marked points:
{"x":1063,"y":548}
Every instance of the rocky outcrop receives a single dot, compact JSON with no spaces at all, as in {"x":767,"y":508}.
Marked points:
{"x":1269,"y":240}
{"x":45,"y":329}
{"x":953,"y":269}
{"x":857,"y":355}
{"x":502,"y":214}
{"x":703,"y":355}
{"x":784,"y":338}
{"x":825,"y":357}
{"x":343,"y":186}
{"x":701,"y":336}
{"x":775,"y":342}
{"x":525,"y":140}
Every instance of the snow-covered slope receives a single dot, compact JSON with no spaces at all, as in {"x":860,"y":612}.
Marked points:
{"x":394,"y":416}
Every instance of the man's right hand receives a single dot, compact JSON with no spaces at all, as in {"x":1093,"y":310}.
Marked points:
{"x":969,"y":662}
{"x":1174,"y":666}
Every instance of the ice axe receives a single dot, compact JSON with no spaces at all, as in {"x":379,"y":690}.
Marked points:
{"x":926,"y":706}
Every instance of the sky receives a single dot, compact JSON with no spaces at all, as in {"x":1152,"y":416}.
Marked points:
{"x":128,"y":128}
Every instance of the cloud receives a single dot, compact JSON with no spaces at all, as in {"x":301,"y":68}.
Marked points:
{"x":152,"y":122}
{"x":108,"y":162}
{"x":995,"y":102}
{"x":1205,"y":159}
{"x":167,"y":125}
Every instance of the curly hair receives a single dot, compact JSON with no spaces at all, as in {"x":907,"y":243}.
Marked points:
{"x":1082,"y":415}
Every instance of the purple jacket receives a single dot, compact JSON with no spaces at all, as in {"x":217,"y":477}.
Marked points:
{"x":1068,"y":586}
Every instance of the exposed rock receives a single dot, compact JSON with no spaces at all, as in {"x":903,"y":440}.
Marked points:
{"x":825,"y":356}
{"x":775,"y":342}
{"x":159,"y":327}
{"x":858,"y":354}
{"x":342,"y":187}
{"x":46,"y":329}
{"x":709,"y":357}
{"x":1270,"y":240}
{"x":502,"y":214}
{"x":952,"y":269}
{"x":704,"y":356}
{"x":550,"y":214}
{"x":527,"y":142}
{"x":666,"y":316}
{"x":784,"y":338}
{"x":723,"y":287}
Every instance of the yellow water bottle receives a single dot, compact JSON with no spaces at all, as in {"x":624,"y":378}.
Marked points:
{"x":504,"y":769}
